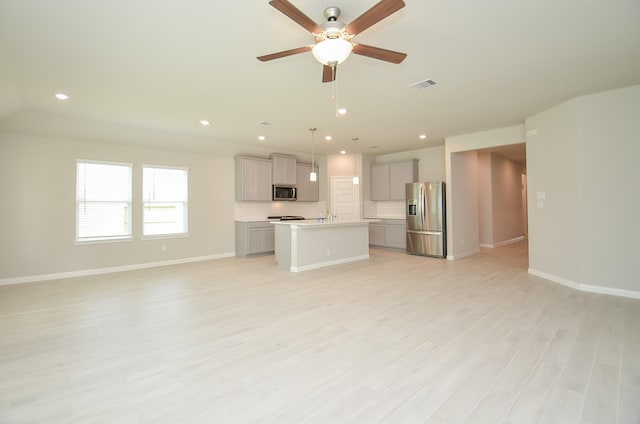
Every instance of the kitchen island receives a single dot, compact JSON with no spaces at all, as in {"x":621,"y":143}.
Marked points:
{"x":304,"y":245}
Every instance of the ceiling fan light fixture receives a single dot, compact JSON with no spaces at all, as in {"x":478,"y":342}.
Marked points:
{"x":332,"y":51}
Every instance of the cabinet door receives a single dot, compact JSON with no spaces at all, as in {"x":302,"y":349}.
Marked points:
{"x":380,"y":181}
{"x":253,"y":179}
{"x":284,"y":169}
{"x":401,"y":173}
{"x":261,"y":240}
{"x":269,"y":239}
{"x":376,"y":234}
{"x":248,"y":176}
{"x":307,"y":190}
{"x":264,"y":181}
{"x":395,"y":234}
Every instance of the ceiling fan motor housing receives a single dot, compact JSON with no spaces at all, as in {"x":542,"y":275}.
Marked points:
{"x":332,"y":13}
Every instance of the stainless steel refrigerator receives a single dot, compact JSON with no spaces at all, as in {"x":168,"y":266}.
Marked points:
{"x":426,"y":219}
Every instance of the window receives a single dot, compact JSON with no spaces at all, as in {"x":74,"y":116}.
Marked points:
{"x":165,"y":197}
{"x":103,"y":201}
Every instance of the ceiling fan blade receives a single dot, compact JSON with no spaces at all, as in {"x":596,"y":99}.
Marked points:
{"x":284,"y":53}
{"x":378,"y":53}
{"x":374,"y":15}
{"x":328,"y":73}
{"x":296,"y":15}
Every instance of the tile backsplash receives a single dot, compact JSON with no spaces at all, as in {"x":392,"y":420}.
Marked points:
{"x":386,"y":209}
{"x":257,"y":211}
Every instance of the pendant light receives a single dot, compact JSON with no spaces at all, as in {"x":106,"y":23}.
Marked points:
{"x":312,"y":176}
{"x":356,"y":178}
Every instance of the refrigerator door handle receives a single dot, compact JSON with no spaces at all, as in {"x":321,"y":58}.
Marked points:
{"x":422,"y":206}
{"x":434,"y":233}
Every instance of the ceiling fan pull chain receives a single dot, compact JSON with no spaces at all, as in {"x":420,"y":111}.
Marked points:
{"x":336,"y":96}
{"x":333,"y":82}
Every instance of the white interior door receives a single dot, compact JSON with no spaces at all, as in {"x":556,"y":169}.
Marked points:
{"x":345,"y":199}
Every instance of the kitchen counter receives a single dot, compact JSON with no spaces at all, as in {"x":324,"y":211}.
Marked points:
{"x":312,"y":223}
{"x":304,"y":245}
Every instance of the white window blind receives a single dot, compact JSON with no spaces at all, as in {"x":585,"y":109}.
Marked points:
{"x":165,"y":198}
{"x":103,"y":201}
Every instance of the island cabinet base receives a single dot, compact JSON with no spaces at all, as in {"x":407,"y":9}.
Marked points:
{"x":308,"y":245}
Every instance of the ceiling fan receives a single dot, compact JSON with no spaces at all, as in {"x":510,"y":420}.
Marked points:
{"x":333,"y":38}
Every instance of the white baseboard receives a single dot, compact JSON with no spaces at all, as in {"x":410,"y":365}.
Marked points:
{"x":97,"y":271}
{"x":586,"y":287}
{"x":328,"y":263}
{"x":463,"y":254}
{"x":502,"y":243}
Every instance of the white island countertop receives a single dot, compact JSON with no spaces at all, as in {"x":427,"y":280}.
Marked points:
{"x":310,"y":223}
{"x":304,"y":245}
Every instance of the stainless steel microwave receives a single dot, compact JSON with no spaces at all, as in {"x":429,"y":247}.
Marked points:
{"x":284,"y":192}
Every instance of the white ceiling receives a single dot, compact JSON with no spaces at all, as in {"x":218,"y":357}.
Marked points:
{"x":146,"y":71}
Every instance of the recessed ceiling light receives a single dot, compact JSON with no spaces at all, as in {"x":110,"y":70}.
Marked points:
{"x":342,"y":111}
{"x":205,"y":123}
{"x":328,"y":138}
{"x":61,"y":96}
{"x":342,"y":152}
{"x":262,"y":138}
{"x":423,"y":136}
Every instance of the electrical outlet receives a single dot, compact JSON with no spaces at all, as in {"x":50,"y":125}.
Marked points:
{"x":328,"y":252}
{"x":164,"y":247}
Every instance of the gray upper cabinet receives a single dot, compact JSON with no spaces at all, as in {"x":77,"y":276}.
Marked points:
{"x":253,"y":179}
{"x":307,"y":190}
{"x":388,"y":179}
{"x":284,"y":169}
{"x":380,"y":181}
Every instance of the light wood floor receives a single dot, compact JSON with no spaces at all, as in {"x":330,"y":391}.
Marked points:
{"x":392,"y":339}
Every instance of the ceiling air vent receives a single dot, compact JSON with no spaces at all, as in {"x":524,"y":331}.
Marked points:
{"x":423,"y":84}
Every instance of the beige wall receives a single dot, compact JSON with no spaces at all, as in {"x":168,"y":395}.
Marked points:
{"x":609,"y":173}
{"x":485,"y":203}
{"x":37,"y":182}
{"x":462,"y":205}
{"x":506,"y":199}
{"x":499,"y":199}
{"x":583,"y":159}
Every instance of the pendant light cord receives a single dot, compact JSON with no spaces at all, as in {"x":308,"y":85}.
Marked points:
{"x":313,"y":167}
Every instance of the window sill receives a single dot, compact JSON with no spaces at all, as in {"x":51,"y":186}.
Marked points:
{"x":102,"y":240}
{"x":165,"y":236}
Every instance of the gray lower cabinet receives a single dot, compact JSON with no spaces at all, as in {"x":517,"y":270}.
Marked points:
{"x":395,"y":233}
{"x":376,"y":234}
{"x":390,"y":233}
{"x":253,"y":238}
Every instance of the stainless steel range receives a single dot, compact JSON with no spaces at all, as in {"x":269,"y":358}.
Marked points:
{"x":287,"y":218}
